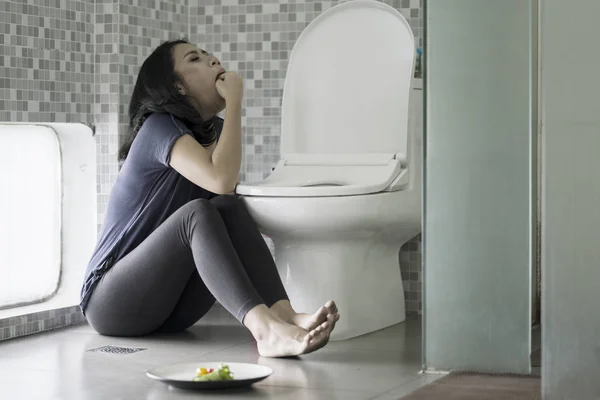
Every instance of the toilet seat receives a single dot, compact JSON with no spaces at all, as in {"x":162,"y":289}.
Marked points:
{"x":374,"y":53}
{"x":327,"y":175}
{"x":333,"y":142}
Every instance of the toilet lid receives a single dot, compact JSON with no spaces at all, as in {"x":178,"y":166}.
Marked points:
{"x":327,"y":175}
{"x":348,"y":80}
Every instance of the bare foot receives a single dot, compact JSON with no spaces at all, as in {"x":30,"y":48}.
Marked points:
{"x":284,"y":340}
{"x":307,"y":322}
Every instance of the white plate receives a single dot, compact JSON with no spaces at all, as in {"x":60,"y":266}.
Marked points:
{"x":182,"y":375}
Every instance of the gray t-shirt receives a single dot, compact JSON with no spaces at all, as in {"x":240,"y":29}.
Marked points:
{"x":147,"y":191}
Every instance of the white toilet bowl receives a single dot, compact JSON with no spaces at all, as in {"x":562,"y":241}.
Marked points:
{"x":346,"y":194}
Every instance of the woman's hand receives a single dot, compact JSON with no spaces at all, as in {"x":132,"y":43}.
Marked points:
{"x":230,"y":87}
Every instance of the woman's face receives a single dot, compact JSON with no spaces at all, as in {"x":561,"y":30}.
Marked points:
{"x":198,"y":71}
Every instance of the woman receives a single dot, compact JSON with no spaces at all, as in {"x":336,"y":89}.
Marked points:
{"x":174,"y":239}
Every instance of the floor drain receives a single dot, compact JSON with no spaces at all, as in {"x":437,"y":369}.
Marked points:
{"x":116,"y":349}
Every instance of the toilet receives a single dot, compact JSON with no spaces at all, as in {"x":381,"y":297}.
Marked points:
{"x":346,"y":193}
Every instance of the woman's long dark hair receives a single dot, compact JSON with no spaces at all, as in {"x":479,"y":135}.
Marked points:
{"x":155,"y":91}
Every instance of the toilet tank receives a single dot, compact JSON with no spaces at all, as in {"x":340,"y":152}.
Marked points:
{"x":348,"y":82}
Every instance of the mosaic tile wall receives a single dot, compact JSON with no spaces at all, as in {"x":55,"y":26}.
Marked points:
{"x":46,"y":60}
{"x":77,"y":60}
{"x":144,"y":25}
{"x":39,"y":322}
{"x":106,"y":96}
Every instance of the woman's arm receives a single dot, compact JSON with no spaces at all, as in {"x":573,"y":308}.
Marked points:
{"x":227,"y":155}
{"x":218,"y":172}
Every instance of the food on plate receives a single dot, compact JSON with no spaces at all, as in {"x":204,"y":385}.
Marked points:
{"x":209,"y":374}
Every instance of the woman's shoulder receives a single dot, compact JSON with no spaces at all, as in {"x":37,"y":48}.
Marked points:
{"x":162,"y":123}
{"x":163,"y":119}
{"x":155,"y":138}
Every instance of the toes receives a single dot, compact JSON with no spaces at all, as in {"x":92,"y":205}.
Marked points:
{"x":313,"y":321}
{"x":326,"y":326}
{"x":331,"y":306}
{"x":318,"y":341}
{"x":315,"y":334}
{"x":322,"y":312}
{"x":319,"y":336}
{"x":322,"y":327}
{"x":314,"y":337}
{"x":331,"y":320}
{"x":320,"y":315}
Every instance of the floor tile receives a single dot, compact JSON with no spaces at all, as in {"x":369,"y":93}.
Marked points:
{"x":370,"y":371}
{"x":66,"y":348}
{"x":403,"y":340}
{"x":257,"y":392}
{"x":406,"y":335}
{"x":56,"y":365}
{"x":406,"y":388}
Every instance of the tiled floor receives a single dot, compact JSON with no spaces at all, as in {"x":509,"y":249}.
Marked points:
{"x":383,"y":365}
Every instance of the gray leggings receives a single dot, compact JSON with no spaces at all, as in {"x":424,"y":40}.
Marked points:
{"x":206,"y":250}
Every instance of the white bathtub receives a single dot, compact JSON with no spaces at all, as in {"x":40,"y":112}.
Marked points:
{"x":48,"y":214}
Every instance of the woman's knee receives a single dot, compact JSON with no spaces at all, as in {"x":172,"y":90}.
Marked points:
{"x":228,"y":203}
{"x":227,"y":199}
{"x":199,"y":212}
{"x":224,"y":206}
{"x":202,"y":206}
